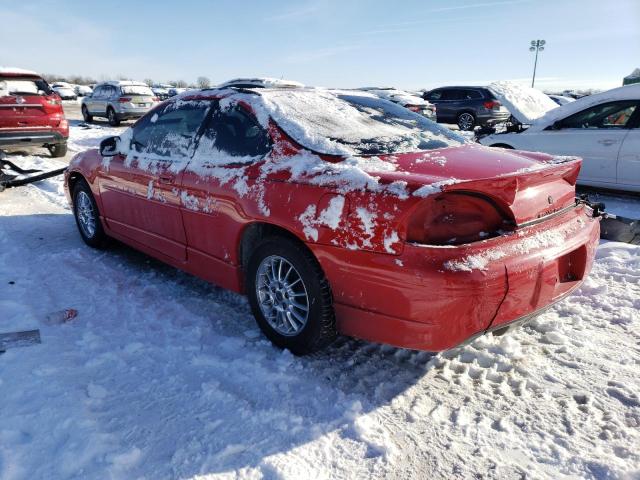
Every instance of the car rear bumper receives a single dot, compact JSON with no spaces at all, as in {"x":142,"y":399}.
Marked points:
{"x":431,"y":298}
{"x":22,"y":137}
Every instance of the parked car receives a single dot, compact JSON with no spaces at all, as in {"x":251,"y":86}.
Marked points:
{"x":83,"y":90}
{"x":337,"y":211}
{"x":118,"y":101}
{"x":561,"y":99}
{"x":260,"y":82}
{"x":603,"y":129}
{"x":467,"y":107}
{"x":65,"y":90}
{"x":173,"y":91}
{"x":161,"y":90}
{"x":405,"y":99}
{"x":31,"y":112}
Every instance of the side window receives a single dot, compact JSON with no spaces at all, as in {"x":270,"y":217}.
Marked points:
{"x":235,"y":132}
{"x":111,"y":91}
{"x":97,"y":93}
{"x":435,"y":95}
{"x":606,"y":115}
{"x":169,"y":133}
{"x":472,"y":94}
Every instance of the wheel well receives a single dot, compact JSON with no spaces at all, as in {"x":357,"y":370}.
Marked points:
{"x":74,"y":178}
{"x":502,"y":145}
{"x":466,"y":111}
{"x":255,"y":233}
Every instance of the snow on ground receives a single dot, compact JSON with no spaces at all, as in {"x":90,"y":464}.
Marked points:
{"x":162,"y":375}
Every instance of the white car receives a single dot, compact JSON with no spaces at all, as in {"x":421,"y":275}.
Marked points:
{"x":603,"y":129}
{"x":561,"y":99}
{"x":65,"y":90}
{"x":405,"y":99}
{"x":83,"y":90}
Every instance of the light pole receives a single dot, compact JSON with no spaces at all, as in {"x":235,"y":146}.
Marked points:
{"x":536,"y":46}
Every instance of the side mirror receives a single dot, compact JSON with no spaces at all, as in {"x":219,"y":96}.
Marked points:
{"x":110,"y":147}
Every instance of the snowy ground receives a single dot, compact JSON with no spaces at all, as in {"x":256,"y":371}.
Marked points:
{"x":161,"y":375}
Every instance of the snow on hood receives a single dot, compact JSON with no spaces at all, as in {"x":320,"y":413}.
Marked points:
{"x":526,"y":104}
{"x":16,"y":71}
{"x":628,"y":92}
{"x":398,"y":96}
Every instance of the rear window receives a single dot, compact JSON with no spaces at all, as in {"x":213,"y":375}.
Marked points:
{"x":343,"y":123}
{"x":23,"y":86}
{"x":136,"y":90}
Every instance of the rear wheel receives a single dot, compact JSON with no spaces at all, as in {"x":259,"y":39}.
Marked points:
{"x":290,"y":296}
{"x":58,"y":150}
{"x":114,"y":121}
{"x":466,"y":121}
{"x":87,"y":216}
{"x":86,"y":115}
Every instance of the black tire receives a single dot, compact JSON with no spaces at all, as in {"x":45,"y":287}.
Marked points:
{"x":466,"y":121}
{"x":320,"y":327}
{"x":58,"y":150}
{"x":97,"y":238}
{"x":114,"y":121}
{"x":86,"y":116}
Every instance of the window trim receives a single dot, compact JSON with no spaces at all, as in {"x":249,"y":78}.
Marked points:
{"x":558,"y":124}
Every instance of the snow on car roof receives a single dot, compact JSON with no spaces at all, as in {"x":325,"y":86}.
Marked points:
{"x":125,"y":83}
{"x":628,"y":92}
{"x":16,"y":71}
{"x":261,"y":82}
{"x":395,"y":95}
{"x":526,"y":104}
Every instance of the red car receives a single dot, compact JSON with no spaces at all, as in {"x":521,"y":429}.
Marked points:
{"x":31,"y":112}
{"x":340,"y":212}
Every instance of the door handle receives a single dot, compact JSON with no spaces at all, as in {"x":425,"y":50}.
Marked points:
{"x":607,"y":141}
{"x":167,"y":179}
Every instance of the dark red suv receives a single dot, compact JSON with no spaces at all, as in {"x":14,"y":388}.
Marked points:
{"x":31,"y":112}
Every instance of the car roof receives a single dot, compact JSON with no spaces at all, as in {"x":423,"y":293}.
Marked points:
{"x":261,"y":82}
{"x":17,"y":72}
{"x":461,"y":86}
{"x":121,"y":83}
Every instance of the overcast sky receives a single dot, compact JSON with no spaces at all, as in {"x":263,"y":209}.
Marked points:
{"x":408,"y":44}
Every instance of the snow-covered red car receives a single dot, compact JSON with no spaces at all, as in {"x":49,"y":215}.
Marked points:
{"x":337,"y":211}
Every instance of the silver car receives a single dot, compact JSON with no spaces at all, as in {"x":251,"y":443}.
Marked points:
{"x":117,"y":101}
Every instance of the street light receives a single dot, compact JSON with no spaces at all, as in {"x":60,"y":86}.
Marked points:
{"x":536,"y":46}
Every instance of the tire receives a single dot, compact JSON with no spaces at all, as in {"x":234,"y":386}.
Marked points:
{"x":114,"y":121}
{"x":308,"y":287}
{"x":466,"y":121}
{"x":86,"y":116}
{"x":84,"y":205}
{"x":58,"y":150}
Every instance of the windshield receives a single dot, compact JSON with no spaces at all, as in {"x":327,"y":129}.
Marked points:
{"x":23,"y":86}
{"x":136,"y":90}
{"x":339,"y":123}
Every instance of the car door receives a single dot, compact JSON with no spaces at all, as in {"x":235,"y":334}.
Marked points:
{"x":596,"y":134}
{"x":629,"y":156}
{"x":140,"y":189}
{"x":96,"y":104}
{"x":220,"y":176}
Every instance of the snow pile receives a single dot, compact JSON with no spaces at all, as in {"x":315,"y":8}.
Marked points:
{"x":436,"y":187}
{"x":525,"y":103}
{"x":161,"y":375}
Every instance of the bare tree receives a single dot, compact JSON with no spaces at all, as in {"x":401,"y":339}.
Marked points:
{"x":181,"y":84}
{"x":148,"y":81}
{"x":203,"y":82}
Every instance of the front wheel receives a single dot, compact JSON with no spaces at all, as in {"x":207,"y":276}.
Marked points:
{"x":114,"y":121}
{"x":87,"y":216}
{"x":290,"y":296}
{"x":86,"y":116}
{"x":466,"y":121}
{"x":58,"y":150}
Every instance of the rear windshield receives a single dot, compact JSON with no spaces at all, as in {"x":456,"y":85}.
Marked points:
{"x":136,"y":90}
{"x":339,"y":123}
{"x":23,"y":86}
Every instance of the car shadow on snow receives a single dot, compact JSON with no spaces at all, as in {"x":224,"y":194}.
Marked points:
{"x":192,"y":387}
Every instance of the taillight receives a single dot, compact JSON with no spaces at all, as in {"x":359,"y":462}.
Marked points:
{"x":124,"y":99}
{"x":492,"y":105}
{"x":64,"y":124}
{"x":454,"y":219}
{"x":54,"y":101}
{"x":414,"y":108}
{"x":155,"y":99}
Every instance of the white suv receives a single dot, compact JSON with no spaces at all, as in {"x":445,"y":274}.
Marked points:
{"x":117,"y":101}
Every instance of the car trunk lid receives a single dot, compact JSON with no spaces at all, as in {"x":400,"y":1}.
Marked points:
{"x":525,"y":104}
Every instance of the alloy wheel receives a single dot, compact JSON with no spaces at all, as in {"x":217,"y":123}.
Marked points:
{"x":465,"y":121}
{"x":282,"y":295}
{"x":86,"y":214}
